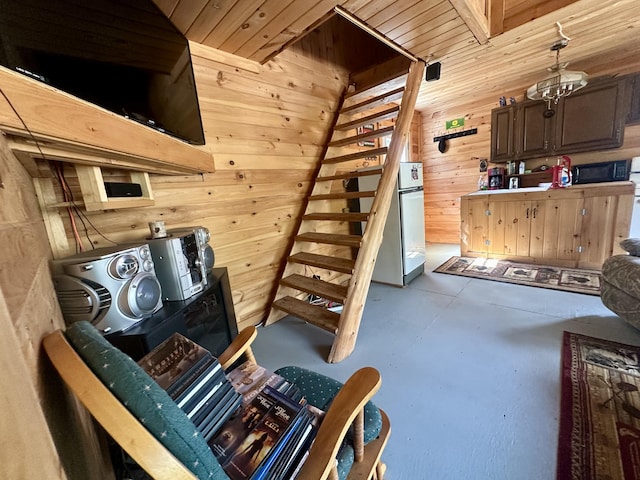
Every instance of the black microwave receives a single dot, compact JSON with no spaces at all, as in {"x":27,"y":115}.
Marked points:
{"x":613,"y":171}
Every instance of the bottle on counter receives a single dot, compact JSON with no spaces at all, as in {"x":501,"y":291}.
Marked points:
{"x":565,"y":177}
{"x":521,"y":168}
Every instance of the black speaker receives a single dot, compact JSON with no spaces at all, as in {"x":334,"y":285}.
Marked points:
{"x":433,"y":72}
{"x":121,"y":189}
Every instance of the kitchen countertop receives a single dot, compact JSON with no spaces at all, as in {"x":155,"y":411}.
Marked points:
{"x":574,"y":191}
{"x":509,"y":190}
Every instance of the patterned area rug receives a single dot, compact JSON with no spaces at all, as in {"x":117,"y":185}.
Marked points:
{"x":600,"y":410}
{"x":558,"y":278}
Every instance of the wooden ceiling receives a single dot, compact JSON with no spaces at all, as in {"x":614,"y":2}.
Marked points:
{"x":604,"y":36}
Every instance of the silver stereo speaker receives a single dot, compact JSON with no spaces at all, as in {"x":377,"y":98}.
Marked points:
{"x":179,"y":266}
{"x":206,"y":257}
{"x":113,"y":288}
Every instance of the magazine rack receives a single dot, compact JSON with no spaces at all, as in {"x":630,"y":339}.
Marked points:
{"x":161,"y":462}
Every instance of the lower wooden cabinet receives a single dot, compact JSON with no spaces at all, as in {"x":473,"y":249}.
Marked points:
{"x":577,"y":226}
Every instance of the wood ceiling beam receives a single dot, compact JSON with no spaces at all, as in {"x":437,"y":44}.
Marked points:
{"x":496,"y":17}
{"x":475,"y":19}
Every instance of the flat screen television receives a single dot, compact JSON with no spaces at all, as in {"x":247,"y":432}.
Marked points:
{"x":123,"y":55}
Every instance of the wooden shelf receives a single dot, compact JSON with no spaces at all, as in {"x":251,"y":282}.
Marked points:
{"x":73,"y":130}
{"x":94,"y":194}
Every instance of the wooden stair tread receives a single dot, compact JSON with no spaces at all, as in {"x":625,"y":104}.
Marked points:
{"x":314,"y":286}
{"x":361,"y":269}
{"x":330,"y":238}
{"x":314,"y":314}
{"x":355,"y":156}
{"x":376,"y":90}
{"x":387,"y":75}
{"x":345,"y":176}
{"x":337,"y":216}
{"x":377,"y":133}
{"x":343,"y":195}
{"x":376,"y":117}
{"x":370,"y":103}
{"x":335,"y":264}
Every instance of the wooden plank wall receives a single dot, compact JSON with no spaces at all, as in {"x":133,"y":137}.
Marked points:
{"x":41,"y":428}
{"x":266,"y":131}
{"x":454,"y":173}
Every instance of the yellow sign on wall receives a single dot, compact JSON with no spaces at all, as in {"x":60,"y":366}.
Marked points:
{"x":455,"y":123}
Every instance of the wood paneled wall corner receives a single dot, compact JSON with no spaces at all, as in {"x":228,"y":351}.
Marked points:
{"x":455,"y":172}
{"x":266,"y":130}
{"x":55,"y":424}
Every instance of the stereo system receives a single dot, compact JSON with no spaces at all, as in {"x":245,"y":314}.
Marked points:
{"x":206,"y":257}
{"x":116,"y":287}
{"x":113,"y":288}
{"x":183,"y":259}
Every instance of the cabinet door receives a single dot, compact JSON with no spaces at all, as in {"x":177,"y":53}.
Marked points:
{"x":534,"y":131}
{"x":473,"y":225}
{"x":634,"y":109}
{"x":591,"y":119}
{"x":605,"y":222}
{"x":502,"y":134}
{"x":536,"y":235}
{"x":596,"y":238}
{"x":561,"y":231}
{"x":497,"y":220}
{"x":517,"y":228}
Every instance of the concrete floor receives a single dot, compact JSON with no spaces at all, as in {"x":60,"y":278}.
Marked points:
{"x":470,"y":370}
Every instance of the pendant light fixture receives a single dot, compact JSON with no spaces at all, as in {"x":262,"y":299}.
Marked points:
{"x":561,"y":82}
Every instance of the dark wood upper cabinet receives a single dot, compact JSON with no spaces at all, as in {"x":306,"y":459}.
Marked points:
{"x":534,"y":131}
{"x":590,"y":119}
{"x":502,"y":134}
{"x":634,"y":108}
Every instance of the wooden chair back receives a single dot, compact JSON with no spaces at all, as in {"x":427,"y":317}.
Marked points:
{"x":111,"y":414}
{"x":160,"y":463}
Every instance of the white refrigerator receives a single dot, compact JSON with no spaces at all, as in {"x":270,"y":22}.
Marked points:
{"x":402,"y":253}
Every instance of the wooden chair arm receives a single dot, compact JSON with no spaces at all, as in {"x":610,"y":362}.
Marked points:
{"x":346,"y":406}
{"x":239,"y":346}
{"x":114,"y":417}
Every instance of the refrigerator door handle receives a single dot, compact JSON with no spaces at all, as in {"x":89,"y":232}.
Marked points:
{"x":410,"y":190}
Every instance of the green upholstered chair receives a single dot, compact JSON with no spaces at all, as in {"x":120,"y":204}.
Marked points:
{"x":149,"y":426}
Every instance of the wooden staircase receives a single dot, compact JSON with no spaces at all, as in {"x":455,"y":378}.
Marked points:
{"x":330,"y":258}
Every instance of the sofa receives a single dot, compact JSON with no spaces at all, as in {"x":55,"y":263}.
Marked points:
{"x":620,"y":282}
